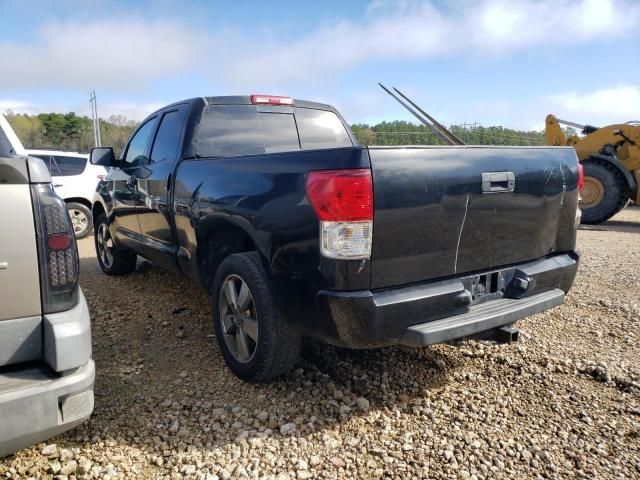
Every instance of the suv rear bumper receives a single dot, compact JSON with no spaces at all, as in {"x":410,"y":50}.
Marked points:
{"x":36,"y":403}
{"x":435,"y":312}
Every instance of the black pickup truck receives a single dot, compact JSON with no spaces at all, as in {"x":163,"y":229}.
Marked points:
{"x":296,"y":230}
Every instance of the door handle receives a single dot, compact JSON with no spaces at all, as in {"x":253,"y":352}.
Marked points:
{"x":132,"y":182}
{"x":56,"y":185}
{"x":498,"y":182}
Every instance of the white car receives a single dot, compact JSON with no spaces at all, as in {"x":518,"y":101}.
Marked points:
{"x":74,"y":180}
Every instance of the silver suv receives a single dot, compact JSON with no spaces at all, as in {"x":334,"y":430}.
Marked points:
{"x":46,"y":371}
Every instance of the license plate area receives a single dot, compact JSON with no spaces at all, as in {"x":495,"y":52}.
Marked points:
{"x":487,"y":286}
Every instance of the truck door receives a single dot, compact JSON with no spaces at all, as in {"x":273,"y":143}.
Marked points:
{"x":126,"y":198}
{"x":154,"y":188}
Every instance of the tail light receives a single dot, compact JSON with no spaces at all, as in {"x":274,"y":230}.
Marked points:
{"x":343,"y":202}
{"x":580,"y":176}
{"x":57,"y":250}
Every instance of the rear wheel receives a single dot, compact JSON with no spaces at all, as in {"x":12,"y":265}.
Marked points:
{"x":603,"y":194}
{"x":80,"y":219}
{"x":255,"y":342}
{"x":112,"y":260}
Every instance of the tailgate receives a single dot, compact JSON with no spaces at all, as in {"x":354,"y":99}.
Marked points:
{"x":443,"y":211}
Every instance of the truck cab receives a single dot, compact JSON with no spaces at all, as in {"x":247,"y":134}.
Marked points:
{"x":46,"y":370}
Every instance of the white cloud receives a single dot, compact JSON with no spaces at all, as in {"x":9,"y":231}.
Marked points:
{"x":425,"y":30}
{"x":15,"y":105}
{"x":605,"y":106}
{"x":113,"y":53}
{"x":600,"y":107}
{"x":130,"y":54}
{"x":503,"y":25}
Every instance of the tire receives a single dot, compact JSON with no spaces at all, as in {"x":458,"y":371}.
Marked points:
{"x":112,"y":260}
{"x":277,"y":348}
{"x":603,"y":194}
{"x":80,"y":219}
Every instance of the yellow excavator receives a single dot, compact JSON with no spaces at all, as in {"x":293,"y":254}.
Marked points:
{"x":610,"y":157}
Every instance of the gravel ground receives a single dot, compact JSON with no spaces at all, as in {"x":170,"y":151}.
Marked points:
{"x":564,"y":402}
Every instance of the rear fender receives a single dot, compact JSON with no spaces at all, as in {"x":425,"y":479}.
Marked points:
{"x":632,"y":185}
{"x":237,"y":236}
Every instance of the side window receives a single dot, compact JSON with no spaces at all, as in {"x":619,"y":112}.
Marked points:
{"x":165,"y":146}
{"x":138,"y":145}
{"x":68,"y":166}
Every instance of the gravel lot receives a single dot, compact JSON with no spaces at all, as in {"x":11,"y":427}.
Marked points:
{"x":562,"y":402}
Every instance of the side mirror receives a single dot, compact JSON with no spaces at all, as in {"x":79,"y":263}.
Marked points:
{"x":103,"y":156}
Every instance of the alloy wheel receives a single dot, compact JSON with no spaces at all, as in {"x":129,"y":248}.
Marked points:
{"x":79,"y":221}
{"x":105,"y":245}
{"x":238,"y":318}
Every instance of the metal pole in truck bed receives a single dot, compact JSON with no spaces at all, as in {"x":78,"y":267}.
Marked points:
{"x":444,"y":130}
{"x":423,"y":120}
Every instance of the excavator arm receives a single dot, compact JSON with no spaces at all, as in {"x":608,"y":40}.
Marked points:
{"x":555,"y":135}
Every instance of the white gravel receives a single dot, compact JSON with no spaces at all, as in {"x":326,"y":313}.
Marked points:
{"x":564,"y":402}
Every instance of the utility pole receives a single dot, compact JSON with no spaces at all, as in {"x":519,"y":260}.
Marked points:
{"x":96,"y":120}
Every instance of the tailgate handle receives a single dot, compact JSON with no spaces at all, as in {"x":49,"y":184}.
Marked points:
{"x":498,"y":182}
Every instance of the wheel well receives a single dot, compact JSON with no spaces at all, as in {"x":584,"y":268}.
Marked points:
{"x":216,"y":245}
{"x":96,"y":211}
{"x":80,"y":200}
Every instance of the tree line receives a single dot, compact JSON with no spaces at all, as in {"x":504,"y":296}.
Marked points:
{"x":68,"y":131}
{"x":406,"y":133}
{"x":71,"y":132}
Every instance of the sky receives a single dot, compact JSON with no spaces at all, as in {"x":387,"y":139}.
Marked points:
{"x":495,"y":62}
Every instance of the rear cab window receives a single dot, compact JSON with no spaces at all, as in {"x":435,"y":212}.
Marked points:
{"x":237,"y":130}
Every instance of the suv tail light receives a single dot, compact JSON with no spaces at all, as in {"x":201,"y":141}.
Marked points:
{"x":57,"y":250}
{"x":343,"y":202}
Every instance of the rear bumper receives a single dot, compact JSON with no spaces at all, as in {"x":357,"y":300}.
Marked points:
{"x":36,"y":403}
{"x":480,"y":318}
{"x":435,"y":312}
